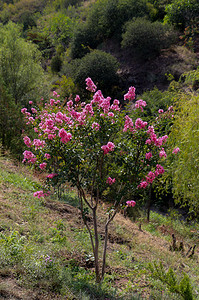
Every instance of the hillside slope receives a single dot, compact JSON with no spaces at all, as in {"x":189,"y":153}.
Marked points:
{"x":45,"y":251}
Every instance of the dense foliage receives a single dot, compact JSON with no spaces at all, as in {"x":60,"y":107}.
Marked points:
{"x":146,"y":39}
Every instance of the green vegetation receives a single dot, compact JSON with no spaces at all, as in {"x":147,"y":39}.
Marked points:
{"x":45,"y":250}
{"x":56,"y":44}
{"x":146,"y":39}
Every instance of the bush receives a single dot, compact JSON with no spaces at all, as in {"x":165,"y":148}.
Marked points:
{"x":182,"y":13}
{"x":100,"y":66}
{"x":146,"y":39}
{"x":83,"y":39}
{"x":105,"y":19}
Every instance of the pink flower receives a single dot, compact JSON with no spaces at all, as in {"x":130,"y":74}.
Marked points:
{"x":110,"y":114}
{"x":77,"y":98}
{"x":130,"y":203}
{"x":43,"y":165}
{"x":65,"y":137}
{"x":95,"y":126}
{"x":29,"y":156}
{"x":159,"y":170}
{"x":34,"y":111}
{"x":107,"y":148}
{"x":176,"y":150}
{"x":140,"y":104}
{"x":162,"y":153}
{"x":90,"y":85}
{"x":139,"y":124}
{"x":30,"y":102}
{"x":110,"y":181}
{"x":130,"y":95}
{"x":128,"y":124}
{"x":148,"y":142}
{"x":150,"y":177}
{"x":46,"y":155}
{"x":24,"y":110}
{"x":50,"y":176}
{"x":39,"y":194}
{"x":52,"y":101}
{"x":160,"y":111}
{"x":27,"y":141}
{"x":143,"y":184}
{"x":148,"y":155}
{"x":38,"y":143}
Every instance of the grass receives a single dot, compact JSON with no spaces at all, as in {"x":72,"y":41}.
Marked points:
{"x":45,"y":249}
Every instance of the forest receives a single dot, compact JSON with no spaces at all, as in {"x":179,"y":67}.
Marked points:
{"x":99,"y":137}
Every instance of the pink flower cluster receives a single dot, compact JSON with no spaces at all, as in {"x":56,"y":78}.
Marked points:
{"x":107,"y":148}
{"x":176,"y":150}
{"x":29,"y":156}
{"x":39,"y":194}
{"x":151,"y":176}
{"x":139,"y":124}
{"x":128,"y":124}
{"x":90,"y":85}
{"x":130,"y":203}
{"x":140,"y":104}
{"x":162,"y":153}
{"x":110,"y":181}
{"x":27,"y":141}
{"x":65,"y":137}
{"x":43,"y":165}
{"x":148,"y":155}
{"x":95,"y":126}
{"x":38,"y":143}
{"x":46,"y":155}
{"x":52,"y":175}
{"x":153,"y":139}
{"x":131,"y":94}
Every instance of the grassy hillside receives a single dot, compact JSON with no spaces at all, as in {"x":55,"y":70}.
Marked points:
{"x":45,"y":251}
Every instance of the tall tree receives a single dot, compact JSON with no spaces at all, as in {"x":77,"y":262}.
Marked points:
{"x":20,"y":67}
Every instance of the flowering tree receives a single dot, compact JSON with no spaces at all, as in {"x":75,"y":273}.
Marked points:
{"x":95,"y":146}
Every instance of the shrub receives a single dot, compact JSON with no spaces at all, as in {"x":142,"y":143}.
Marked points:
{"x":95,"y":146}
{"x":182,"y":13}
{"x":82,"y":41}
{"x":146,"y":39}
{"x":100,"y":66}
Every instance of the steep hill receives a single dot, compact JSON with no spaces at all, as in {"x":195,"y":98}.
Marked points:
{"x":45,"y":252}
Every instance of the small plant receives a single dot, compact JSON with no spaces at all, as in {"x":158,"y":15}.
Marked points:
{"x":182,"y":287}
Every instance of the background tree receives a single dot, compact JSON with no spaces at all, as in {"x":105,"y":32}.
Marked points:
{"x":20,"y":66}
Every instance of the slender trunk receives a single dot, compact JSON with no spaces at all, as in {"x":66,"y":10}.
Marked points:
{"x":96,"y":248}
{"x":104,"y":254}
{"x":149,"y":203}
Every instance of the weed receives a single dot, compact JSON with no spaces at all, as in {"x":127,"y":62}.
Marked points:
{"x":182,"y":287}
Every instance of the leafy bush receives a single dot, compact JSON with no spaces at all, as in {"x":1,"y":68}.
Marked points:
{"x":146,"y":39}
{"x":82,"y":41}
{"x":182,"y":13}
{"x":100,"y":66}
{"x":58,"y":27}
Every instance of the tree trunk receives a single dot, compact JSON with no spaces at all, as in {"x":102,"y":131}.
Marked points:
{"x":149,"y":203}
